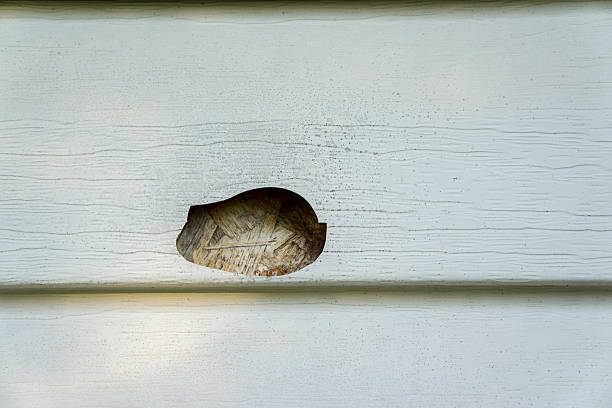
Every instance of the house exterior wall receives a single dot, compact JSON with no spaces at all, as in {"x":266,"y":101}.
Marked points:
{"x":459,"y":154}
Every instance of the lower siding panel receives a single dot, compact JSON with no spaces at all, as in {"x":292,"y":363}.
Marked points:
{"x":448,"y":348}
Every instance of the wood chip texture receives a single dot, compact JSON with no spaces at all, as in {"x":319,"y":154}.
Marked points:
{"x":265,"y":232}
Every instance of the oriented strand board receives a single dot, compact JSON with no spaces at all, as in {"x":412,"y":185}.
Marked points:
{"x":262,"y":232}
{"x":439,"y":141}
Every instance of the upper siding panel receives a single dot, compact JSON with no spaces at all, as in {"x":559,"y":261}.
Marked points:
{"x":439,"y":142}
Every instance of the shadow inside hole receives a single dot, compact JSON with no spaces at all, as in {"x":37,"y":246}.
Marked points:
{"x":266,"y":232}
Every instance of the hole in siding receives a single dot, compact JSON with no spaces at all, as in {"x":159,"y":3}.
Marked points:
{"x":265,"y":232}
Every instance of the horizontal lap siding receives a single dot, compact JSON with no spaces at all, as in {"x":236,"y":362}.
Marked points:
{"x":477,"y":349}
{"x":439,"y":143}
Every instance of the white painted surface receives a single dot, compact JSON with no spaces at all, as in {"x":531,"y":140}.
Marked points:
{"x":439,"y":142}
{"x":307,"y":350}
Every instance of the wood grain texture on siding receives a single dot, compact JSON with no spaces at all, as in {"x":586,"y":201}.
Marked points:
{"x":307,"y":350}
{"x":440,"y":142}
